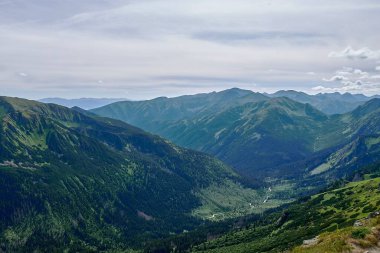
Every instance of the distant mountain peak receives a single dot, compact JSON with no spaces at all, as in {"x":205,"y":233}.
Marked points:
{"x":290,"y":92}
{"x":235,"y":91}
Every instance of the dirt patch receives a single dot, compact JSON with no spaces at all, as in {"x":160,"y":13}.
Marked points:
{"x":144,"y":216}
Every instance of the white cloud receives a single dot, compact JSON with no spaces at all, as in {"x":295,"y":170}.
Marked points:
{"x":348,"y":71}
{"x":354,"y":87}
{"x":352,"y":80}
{"x":319,"y":88}
{"x":352,"y":84}
{"x":377,"y":68}
{"x":335,"y":79}
{"x":362,"y":53}
{"x":359,"y":72}
{"x":22,"y":74}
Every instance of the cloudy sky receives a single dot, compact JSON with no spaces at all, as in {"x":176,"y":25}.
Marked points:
{"x":146,"y":48}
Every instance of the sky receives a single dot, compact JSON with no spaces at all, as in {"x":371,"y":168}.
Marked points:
{"x":140,"y":49}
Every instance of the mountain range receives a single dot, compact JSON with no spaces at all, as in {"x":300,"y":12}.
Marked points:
{"x":261,"y":136}
{"x":329,"y":103}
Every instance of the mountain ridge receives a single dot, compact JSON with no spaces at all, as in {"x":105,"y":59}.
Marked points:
{"x":329,"y":103}
{"x":263,"y":136}
{"x":217,"y":125}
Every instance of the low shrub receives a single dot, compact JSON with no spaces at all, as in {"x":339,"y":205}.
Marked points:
{"x":360,"y":233}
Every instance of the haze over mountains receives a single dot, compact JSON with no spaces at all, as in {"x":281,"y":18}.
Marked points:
{"x":84,"y":103}
{"x":329,"y":103}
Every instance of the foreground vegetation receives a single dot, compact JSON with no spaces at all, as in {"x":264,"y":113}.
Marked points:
{"x":358,"y":239}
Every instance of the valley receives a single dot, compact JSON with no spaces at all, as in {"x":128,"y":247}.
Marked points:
{"x":326,"y":219}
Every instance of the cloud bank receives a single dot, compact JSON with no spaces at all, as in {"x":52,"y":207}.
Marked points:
{"x":350,"y":79}
{"x":144,"y":48}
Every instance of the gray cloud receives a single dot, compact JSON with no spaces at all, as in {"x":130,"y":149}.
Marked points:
{"x":349,"y":86}
{"x":261,"y":37}
{"x":335,"y":79}
{"x":350,"y":79}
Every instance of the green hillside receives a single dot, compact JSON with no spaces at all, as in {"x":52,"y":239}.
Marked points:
{"x":158,"y":112}
{"x":253,"y":136}
{"x":74,"y":181}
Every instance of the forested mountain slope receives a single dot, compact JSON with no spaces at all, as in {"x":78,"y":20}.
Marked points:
{"x":74,"y":181}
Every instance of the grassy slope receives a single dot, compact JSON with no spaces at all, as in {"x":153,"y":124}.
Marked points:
{"x":350,"y":239}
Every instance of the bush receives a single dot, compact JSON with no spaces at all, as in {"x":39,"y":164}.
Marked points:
{"x":360,"y":233}
{"x":369,"y":208}
{"x":354,"y":215}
